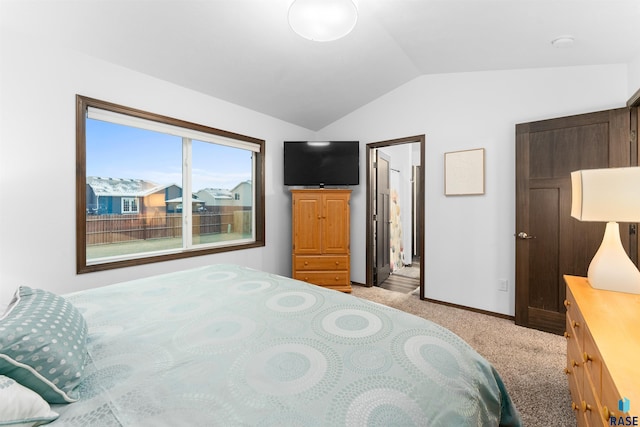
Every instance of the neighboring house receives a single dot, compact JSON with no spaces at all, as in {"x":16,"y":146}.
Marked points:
{"x":215,"y":197}
{"x":231,"y":209}
{"x":128,"y":196}
{"x":240,"y":195}
{"x":175,"y":205}
{"x":243,"y":194}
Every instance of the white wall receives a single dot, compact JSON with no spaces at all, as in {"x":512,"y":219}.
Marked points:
{"x":37,"y":163}
{"x":469,"y":240}
{"x":634,"y":76}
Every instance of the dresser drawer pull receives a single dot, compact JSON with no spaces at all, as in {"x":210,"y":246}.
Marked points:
{"x":606,"y":413}
{"x":567,"y":371}
{"x":567,"y":335}
{"x":574,"y":363}
{"x":337,"y":278}
{"x":575,"y":324}
{"x":567,"y":303}
{"x":585,"y":406}
{"x":587,"y":357}
{"x":574,"y":407}
{"x":306,"y":263}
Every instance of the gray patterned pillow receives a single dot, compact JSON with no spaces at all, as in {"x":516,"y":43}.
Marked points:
{"x":43,"y":344}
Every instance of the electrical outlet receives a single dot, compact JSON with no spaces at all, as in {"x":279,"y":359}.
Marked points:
{"x":503,"y":285}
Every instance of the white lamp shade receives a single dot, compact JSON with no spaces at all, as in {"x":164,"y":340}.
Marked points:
{"x":605,"y":195}
{"x":323,"y":20}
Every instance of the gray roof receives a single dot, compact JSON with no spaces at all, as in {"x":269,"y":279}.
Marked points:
{"x":179,"y":200}
{"x":217,"y":193}
{"x":123,"y":187}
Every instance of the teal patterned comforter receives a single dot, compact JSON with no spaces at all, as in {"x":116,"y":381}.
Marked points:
{"x":225,"y":345}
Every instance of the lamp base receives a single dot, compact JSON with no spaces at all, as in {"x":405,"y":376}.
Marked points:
{"x":611,"y":269}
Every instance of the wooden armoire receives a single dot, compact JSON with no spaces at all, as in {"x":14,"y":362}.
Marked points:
{"x":320,"y":237}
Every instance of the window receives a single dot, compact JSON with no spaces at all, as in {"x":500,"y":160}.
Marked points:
{"x":151,"y":188}
{"x":129,"y":205}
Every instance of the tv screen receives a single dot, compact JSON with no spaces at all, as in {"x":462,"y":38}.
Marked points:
{"x":321,"y":163}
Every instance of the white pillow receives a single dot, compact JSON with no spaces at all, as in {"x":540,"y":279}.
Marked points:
{"x":20,"y":406}
{"x":7,"y":296}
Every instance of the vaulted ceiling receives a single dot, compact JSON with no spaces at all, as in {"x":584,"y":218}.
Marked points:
{"x":244,"y":51}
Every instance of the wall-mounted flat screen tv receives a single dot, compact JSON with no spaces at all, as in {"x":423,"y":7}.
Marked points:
{"x":321,"y":163}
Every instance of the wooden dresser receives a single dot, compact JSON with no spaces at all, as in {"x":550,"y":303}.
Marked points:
{"x":320,"y":234}
{"x":603,"y":353}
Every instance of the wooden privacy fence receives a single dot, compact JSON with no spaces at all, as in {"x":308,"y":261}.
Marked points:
{"x":104,"y":229}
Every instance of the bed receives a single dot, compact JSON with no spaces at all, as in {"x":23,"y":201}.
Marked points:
{"x":226,"y":345}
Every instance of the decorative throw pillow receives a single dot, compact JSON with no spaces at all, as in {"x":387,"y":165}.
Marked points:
{"x":43,"y":344}
{"x":20,"y":406}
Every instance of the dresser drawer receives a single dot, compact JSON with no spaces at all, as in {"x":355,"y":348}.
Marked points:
{"x":590,"y":406}
{"x":574,"y":362}
{"x":324,"y":278}
{"x":592,"y":361}
{"x":574,"y":373}
{"x":333,"y":262}
{"x":574,"y":316}
{"x":610,"y":397}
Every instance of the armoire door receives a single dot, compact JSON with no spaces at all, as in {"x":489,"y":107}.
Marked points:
{"x":307,"y":236}
{"x":336,"y":222}
{"x":549,"y":242}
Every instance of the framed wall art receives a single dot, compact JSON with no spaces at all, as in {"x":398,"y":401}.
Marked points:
{"x":464,"y":172}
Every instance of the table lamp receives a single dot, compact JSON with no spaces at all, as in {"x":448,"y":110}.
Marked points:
{"x":609,"y":195}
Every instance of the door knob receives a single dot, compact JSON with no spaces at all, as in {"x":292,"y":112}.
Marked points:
{"x":524,"y":236}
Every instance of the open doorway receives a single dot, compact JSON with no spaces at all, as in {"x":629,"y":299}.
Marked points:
{"x":395,"y":213}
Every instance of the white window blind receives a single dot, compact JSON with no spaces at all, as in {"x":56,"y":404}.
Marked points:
{"x":137,"y":122}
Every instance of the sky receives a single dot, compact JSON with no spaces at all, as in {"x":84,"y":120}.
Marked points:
{"x":118,"y":151}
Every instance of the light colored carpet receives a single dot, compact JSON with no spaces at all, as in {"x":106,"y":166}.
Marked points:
{"x":530,"y":362}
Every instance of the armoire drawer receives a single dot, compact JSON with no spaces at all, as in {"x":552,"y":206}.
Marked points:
{"x":321,"y":263}
{"x":324,"y":278}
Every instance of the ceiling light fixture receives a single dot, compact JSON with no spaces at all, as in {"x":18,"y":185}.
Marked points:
{"x":323,"y":20}
{"x":562,"y":41}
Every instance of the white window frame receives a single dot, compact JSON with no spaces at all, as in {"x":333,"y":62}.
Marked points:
{"x":130,"y":200}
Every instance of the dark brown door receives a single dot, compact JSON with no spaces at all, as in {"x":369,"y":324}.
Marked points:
{"x":549,"y":242}
{"x":383,"y":250}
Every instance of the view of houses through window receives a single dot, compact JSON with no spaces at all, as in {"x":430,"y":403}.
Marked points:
{"x":150,"y":192}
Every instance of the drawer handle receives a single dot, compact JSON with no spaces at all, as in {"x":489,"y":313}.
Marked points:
{"x":337,"y":278}
{"x":585,"y":406}
{"x":567,"y":335}
{"x":306,"y":279}
{"x":575,"y":324}
{"x":306,"y":263}
{"x":574,"y":363}
{"x":587,"y":357}
{"x":567,"y":371}
{"x":574,"y":407}
{"x":607,"y":413}
{"x":337,"y":263}
{"x":567,"y":303}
